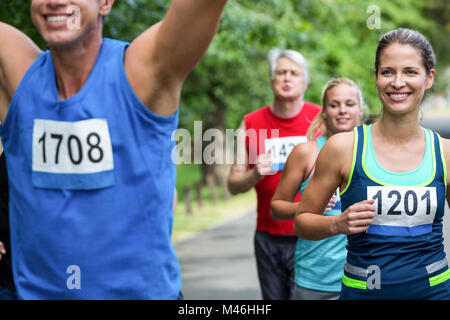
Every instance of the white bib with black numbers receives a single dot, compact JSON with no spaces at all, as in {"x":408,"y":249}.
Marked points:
{"x":72,"y":147}
{"x":280,"y":148}
{"x":402,"y":210}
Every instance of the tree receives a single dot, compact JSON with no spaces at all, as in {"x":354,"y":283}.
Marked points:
{"x":337,"y":38}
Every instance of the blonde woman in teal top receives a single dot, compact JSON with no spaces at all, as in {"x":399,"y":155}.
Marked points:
{"x":318,"y":264}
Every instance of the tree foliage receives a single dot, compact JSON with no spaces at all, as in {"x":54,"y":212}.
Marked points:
{"x":232,"y":78}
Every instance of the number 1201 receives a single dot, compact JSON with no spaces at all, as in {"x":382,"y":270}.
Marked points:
{"x":408,"y":202}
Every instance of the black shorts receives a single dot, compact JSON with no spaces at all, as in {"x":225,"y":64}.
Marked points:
{"x":275,"y":264}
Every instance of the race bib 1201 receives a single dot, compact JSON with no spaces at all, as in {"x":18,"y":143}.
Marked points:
{"x":72,"y":155}
{"x":280,"y":148}
{"x":402,"y":210}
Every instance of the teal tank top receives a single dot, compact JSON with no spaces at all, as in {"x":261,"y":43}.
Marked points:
{"x":319,"y":264}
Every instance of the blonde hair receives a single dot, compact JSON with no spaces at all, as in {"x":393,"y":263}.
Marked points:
{"x":319,"y":122}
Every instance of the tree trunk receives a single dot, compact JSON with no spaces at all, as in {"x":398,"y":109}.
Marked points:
{"x":216,"y":121}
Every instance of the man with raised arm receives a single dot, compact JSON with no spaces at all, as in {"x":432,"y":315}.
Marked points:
{"x":86,"y":129}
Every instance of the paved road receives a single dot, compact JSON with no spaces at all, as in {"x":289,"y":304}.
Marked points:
{"x":218,"y":264}
{"x":438,"y":124}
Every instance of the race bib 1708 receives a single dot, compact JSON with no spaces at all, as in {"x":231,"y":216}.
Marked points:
{"x":280,"y":148}
{"x":402,"y":210}
{"x":72,"y":155}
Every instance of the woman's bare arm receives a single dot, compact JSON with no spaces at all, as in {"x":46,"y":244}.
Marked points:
{"x":332,"y":170}
{"x":297,"y":167}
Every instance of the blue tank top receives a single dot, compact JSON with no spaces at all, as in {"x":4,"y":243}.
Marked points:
{"x":401,"y":256}
{"x":91,"y":185}
{"x":319,"y":264}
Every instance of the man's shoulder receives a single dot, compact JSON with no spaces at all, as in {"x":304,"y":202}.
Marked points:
{"x":257,"y":112}
{"x":255,"y":115}
{"x":17,"y":54}
{"x":311,"y":106}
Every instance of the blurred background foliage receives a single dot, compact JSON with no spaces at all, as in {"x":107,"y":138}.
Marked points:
{"x":232,"y":78}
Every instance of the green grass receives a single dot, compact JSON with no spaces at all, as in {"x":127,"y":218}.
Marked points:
{"x":187,"y":175}
{"x":210,"y":214}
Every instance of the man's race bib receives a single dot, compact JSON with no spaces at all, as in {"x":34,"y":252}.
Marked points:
{"x":280,"y":148}
{"x":337,"y":198}
{"x":402,"y":210}
{"x":72,"y":155}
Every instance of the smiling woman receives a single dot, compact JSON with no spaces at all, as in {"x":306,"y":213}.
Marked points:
{"x":393,"y":181}
{"x":401,"y":78}
{"x":342,"y":110}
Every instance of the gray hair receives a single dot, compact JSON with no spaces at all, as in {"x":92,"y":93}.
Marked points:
{"x":275,"y":54}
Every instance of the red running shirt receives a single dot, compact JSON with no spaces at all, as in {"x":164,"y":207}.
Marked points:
{"x":261,"y":128}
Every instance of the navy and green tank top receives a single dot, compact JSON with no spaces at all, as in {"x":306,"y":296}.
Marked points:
{"x":91,"y":186}
{"x":401,"y":255}
{"x":319,"y":265}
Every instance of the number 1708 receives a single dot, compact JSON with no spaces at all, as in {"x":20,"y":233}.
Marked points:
{"x":74,"y":146}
